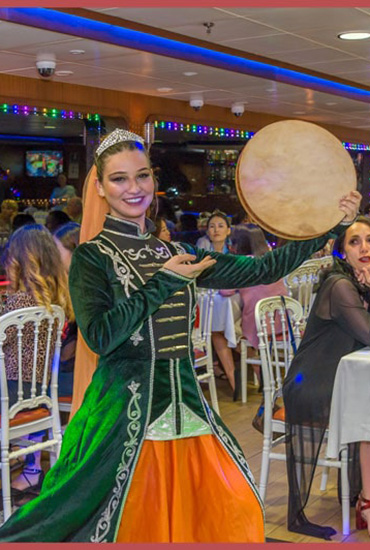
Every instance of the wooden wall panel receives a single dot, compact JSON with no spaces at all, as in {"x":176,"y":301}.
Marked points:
{"x":137,"y":108}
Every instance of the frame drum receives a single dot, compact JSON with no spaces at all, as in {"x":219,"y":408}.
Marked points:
{"x":290,"y":177}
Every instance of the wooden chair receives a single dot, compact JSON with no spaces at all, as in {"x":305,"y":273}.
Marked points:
{"x":276,"y":355}
{"x":202,"y":344}
{"x":39,"y":411}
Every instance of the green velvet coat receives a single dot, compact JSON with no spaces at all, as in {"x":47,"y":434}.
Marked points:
{"x":138,"y":318}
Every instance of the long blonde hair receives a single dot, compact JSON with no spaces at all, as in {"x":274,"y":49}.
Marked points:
{"x":33,"y":265}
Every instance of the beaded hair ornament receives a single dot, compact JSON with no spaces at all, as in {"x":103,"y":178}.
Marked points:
{"x":118,"y":136}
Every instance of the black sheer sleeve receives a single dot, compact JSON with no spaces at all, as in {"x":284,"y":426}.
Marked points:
{"x":348,"y":310}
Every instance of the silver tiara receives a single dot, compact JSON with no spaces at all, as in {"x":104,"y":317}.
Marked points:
{"x":118,"y":136}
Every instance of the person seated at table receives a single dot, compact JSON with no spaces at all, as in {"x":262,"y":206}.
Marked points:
{"x":218,"y":233}
{"x":339,"y":323}
{"x":188,"y":229}
{"x":74,"y":209}
{"x":55,"y":219}
{"x":22,"y":219}
{"x":246,"y":240}
{"x":36,"y":278}
{"x":67,"y":238}
{"x":161,"y":229}
{"x":9,"y":209}
{"x":62,"y":192}
{"x":202,"y":222}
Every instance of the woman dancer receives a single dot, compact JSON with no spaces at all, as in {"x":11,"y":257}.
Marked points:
{"x":145,"y":454}
{"x":339,"y":323}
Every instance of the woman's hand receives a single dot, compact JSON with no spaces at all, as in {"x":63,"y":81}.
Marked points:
{"x":363,"y":276}
{"x":180,"y":265}
{"x":350,"y":205}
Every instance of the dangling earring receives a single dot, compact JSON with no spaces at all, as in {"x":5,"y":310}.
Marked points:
{"x":154,"y":205}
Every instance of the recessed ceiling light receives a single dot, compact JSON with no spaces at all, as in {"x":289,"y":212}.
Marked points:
{"x":189,"y":73}
{"x":49,"y":127}
{"x":63,"y":73}
{"x":164,"y":89}
{"x":77,"y":52}
{"x":354,"y":35}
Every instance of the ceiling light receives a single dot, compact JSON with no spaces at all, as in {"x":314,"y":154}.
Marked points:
{"x":354,"y":35}
{"x":164,"y":89}
{"x":77,"y":52}
{"x":63,"y":73}
{"x":189,"y":73}
{"x":49,"y":127}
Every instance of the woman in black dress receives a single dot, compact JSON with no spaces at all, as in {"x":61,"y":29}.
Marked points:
{"x":339,"y":323}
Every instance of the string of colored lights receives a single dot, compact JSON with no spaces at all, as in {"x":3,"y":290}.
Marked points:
{"x":200,"y":129}
{"x":356,"y":146}
{"x":27,"y":110}
{"x":231,"y":133}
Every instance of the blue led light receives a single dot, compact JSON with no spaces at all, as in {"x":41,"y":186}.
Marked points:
{"x":13,"y":137}
{"x":52,"y":20}
{"x":299,"y":378}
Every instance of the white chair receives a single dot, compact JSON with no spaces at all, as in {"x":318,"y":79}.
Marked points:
{"x":39,"y":411}
{"x":65,"y":406}
{"x":202,"y":344}
{"x":276,"y":355}
{"x":301,"y":282}
{"x":244,"y":362}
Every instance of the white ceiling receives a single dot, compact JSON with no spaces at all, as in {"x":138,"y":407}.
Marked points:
{"x":305,"y":37}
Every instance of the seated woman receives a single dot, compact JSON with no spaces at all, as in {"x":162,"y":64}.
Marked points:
{"x":247,"y":240}
{"x":218,"y":232}
{"x":339,"y":323}
{"x":36,"y":278}
{"x":67,"y":238}
{"x":161,"y":229}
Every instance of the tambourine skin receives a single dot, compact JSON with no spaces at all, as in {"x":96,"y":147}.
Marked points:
{"x":290,"y":177}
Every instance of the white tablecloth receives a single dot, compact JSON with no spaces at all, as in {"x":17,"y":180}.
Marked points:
{"x":226,"y":311}
{"x":350,"y":407}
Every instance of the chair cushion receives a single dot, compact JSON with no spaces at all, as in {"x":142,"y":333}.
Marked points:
{"x":279,"y":414}
{"x":25,"y":417}
{"x":65,"y":399}
{"x":198,"y":353}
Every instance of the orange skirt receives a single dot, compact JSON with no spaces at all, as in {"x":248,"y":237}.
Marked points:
{"x":189,"y":490}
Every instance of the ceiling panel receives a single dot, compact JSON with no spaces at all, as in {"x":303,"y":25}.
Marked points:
{"x":341,"y":66}
{"x":220,"y":32}
{"x":16,"y":36}
{"x":298,"y":20}
{"x":315,"y":56}
{"x":167,"y":18}
{"x":305,"y":37}
{"x":273,"y":46}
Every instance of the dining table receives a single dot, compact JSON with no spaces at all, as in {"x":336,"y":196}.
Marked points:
{"x":350,"y":406}
{"x":226,"y":314}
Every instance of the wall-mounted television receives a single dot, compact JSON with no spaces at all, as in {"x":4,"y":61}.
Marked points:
{"x":44,"y":164}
